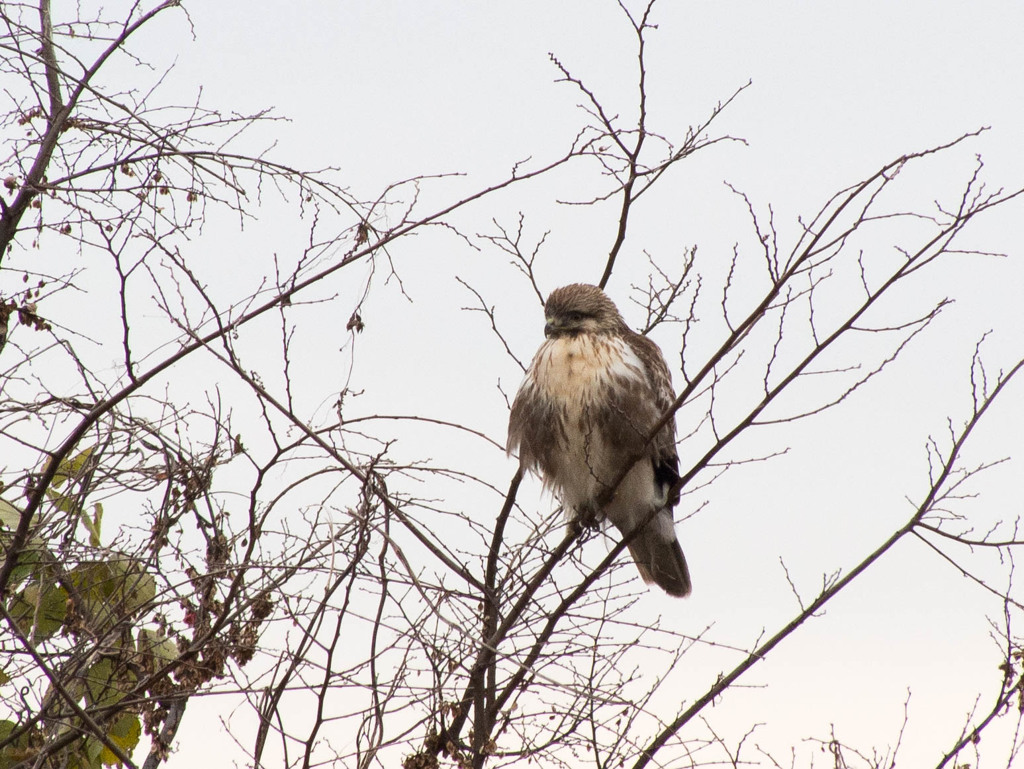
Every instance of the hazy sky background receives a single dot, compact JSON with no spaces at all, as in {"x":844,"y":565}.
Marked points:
{"x":388,"y":90}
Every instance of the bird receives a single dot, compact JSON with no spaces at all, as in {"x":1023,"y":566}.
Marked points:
{"x":590,"y":398}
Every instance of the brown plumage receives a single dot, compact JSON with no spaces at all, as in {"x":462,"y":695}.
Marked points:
{"x":591,"y":397}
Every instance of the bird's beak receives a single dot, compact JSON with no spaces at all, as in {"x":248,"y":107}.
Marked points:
{"x":549,"y":327}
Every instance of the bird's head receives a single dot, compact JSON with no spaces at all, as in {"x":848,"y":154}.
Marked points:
{"x":580,"y":309}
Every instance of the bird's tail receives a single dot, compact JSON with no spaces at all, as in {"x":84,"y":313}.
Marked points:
{"x":659,"y":557}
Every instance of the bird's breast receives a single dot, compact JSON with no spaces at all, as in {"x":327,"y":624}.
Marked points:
{"x":580,"y":380}
{"x":576,"y":370}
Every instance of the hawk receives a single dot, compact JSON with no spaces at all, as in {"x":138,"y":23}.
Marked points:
{"x":593,"y":393}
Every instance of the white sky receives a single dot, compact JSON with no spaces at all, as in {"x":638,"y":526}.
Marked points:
{"x":387,"y":90}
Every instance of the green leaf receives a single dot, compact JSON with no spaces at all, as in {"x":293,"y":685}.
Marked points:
{"x":151,"y":642}
{"x":72,"y":467}
{"x":95,"y":583}
{"x":125,"y":734}
{"x":141,"y":590}
{"x":31,"y":556}
{"x":112,"y":591}
{"x":10,"y":516}
{"x":99,"y":683}
{"x":42,"y":607}
{"x":18,"y":752}
{"x":66,"y":503}
{"x":92,"y":525}
{"x":30,"y":562}
{"x":107,"y":684}
{"x":89,"y":758}
{"x":130,"y":587}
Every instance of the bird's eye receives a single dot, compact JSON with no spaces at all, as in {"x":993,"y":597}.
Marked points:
{"x":574,"y":317}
